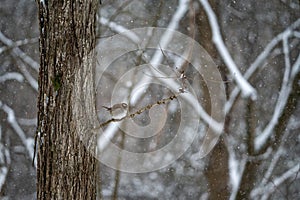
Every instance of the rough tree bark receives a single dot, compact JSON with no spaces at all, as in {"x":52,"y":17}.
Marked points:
{"x":66,"y":167}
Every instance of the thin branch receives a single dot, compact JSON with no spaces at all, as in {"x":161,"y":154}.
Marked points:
{"x":260,"y":60}
{"x":247,"y":89}
{"x":5,"y":162}
{"x":11,"y":76}
{"x":285,"y":91}
{"x":28,"y":122}
{"x":19,"y":53}
{"x":236,"y":167}
{"x":296,"y":34}
{"x":271,"y":187}
{"x":140,"y":111}
{"x":275,"y":158}
{"x":27,"y":142}
{"x":32,"y":82}
{"x":296,"y":67}
{"x":119,"y":29}
{"x":18,"y":44}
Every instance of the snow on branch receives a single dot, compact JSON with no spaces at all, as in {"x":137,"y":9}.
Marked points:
{"x":11,"y":119}
{"x":296,"y":34}
{"x":18,"y":52}
{"x":32,"y":82}
{"x":5,"y":161}
{"x":119,"y":29}
{"x":275,"y":159}
{"x":27,"y":122}
{"x":296,"y":67}
{"x":286,"y":87}
{"x":158,"y":56}
{"x":261,"y":59}
{"x":265,"y":192}
{"x":236,"y":169}
{"x":11,"y":76}
{"x":18,"y":43}
{"x":246,"y":88}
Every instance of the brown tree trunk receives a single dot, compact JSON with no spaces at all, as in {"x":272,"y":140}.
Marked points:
{"x":66,"y":167}
{"x":217,"y":171}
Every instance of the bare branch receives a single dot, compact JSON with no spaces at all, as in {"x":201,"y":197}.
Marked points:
{"x":271,"y":187}
{"x":140,"y":111}
{"x":18,"y":52}
{"x":27,"y":142}
{"x":260,"y":60}
{"x":285,"y":91}
{"x":12,"y":76}
{"x":18,"y":43}
{"x":247,"y":89}
{"x":5,"y":161}
{"x":32,"y":82}
{"x":119,"y":29}
{"x":28,"y":122}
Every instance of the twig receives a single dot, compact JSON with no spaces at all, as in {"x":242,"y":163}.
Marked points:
{"x":140,"y":111}
{"x":18,"y":52}
{"x":285,"y":90}
{"x":247,"y":89}
{"x":5,"y":162}
{"x":19,"y":43}
{"x":259,"y":61}
{"x":12,"y":76}
{"x":27,"y":142}
{"x":119,"y":29}
{"x":271,"y":187}
{"x":32,"y":82}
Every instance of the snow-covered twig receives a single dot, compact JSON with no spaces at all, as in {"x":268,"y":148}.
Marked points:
{"x":236,"y":170}
{"x":285,"y":91}
{"x":119,"y":29}
{"x":275,"y":158}
{"x":246,"y":88}
{"x":272,"y":185}
{"x":296,"y":67}
{"x":106,"y":137}
{"x":27,"y":142}
{"x":236,"y":167}
{"x":260,"y":60}
{"x":18,"y":52}
{"x":11,"y":76}
{"x":18,"y":43}
{"x":28,"y":122}
{"x":296,"y":34}
{"x":32,"y":82}
{"x":5,"y":161}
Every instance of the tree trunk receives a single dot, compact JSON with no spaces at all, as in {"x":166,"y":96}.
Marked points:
{"x":66,"y":167}
{"x":217,"y":171}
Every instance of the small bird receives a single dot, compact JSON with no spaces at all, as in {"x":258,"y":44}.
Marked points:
{"x":118,"y":110}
